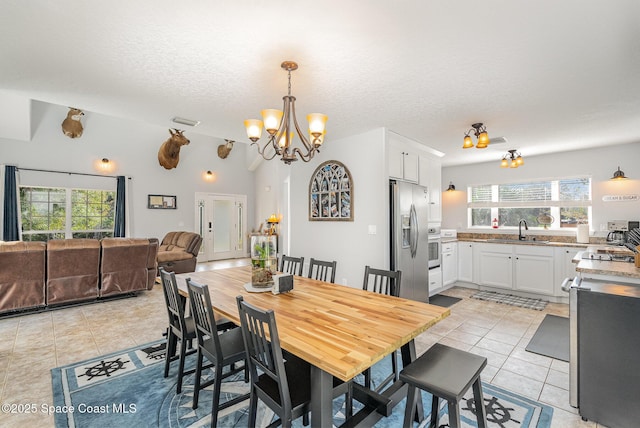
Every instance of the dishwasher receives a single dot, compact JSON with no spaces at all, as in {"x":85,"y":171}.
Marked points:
{"x":604,"y":349}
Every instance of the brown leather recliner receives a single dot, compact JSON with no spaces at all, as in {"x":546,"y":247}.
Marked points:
{"x":22,"y":275}
{"x":73,"y":267}
{"x":178,"y":252}
{"x":127,"y":265}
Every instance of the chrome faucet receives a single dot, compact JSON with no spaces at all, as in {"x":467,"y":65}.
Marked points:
{"x":521,"y":237}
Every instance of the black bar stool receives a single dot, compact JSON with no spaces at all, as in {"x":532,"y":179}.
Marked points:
{"x":446,"y":373}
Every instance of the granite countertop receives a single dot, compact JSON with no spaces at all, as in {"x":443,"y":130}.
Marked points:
{"x":538,"y":242}
{"x":602,"y":267}
{"x":532,"y":239}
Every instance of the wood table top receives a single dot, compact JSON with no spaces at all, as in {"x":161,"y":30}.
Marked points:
{"x":339,"y":329}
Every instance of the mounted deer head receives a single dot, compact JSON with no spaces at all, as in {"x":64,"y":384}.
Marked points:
{"x":71,"y":126}
{"x":225,"y":149}
{"x":169,"y":153}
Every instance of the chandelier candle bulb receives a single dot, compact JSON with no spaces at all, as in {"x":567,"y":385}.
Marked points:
{"x":254,"y":129}
{"x":317,"y":122}
{"x":271,"y":118}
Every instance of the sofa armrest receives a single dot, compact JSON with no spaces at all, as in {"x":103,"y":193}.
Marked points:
{"x":22,"y":275}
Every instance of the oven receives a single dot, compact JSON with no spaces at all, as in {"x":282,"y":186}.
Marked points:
{"x":434,"y":242}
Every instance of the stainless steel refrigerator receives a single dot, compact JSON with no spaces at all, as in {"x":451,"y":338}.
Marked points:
{"x":409,"y":245}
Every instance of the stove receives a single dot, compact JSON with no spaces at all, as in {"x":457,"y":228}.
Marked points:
{"x":607,"y":257}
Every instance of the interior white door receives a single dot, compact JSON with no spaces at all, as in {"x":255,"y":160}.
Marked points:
{"x":221,"y":221}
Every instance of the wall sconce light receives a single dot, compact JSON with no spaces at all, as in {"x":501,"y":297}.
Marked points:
{"x":512,"y":159}
{"x":480,"y":131}
{"x":209,"y":176}
{"x":451,"y":187}
{"x":104,"y":165}
{"x":618,"y":175}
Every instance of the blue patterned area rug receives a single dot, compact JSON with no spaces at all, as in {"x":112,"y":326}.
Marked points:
{"x":128,"y":388}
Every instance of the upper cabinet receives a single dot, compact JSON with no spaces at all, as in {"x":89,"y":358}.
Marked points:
{"x":403,"y":163}
{"x":431,"y":178}
{"x":412,"y":161}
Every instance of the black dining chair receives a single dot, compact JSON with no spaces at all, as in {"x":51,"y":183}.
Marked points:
{"x":322,"y":270}
{"x":292,"y":265}
{"x":383,"y":282}
{"x":220,"y":348}
{"x":181,"y":328}
{"x":281,"y":380}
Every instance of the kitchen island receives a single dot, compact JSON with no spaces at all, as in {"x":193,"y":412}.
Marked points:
{"x":604,"y":311}
{"x":608,"y":263}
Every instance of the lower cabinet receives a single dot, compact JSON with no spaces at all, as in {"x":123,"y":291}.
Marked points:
{"x":495,"y":266}
{"x":524,"y":268}
{"x":533,"y":270}
{"x":465,"y":261}
{"x":435,"y":281}
{"x":449,"y":263}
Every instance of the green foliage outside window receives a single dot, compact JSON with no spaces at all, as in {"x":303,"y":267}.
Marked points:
{"x":46,"y":214}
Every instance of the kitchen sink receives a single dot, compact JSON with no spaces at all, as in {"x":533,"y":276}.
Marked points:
{"x":516,"y":241}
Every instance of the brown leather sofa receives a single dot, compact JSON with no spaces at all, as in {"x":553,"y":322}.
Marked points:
{"x":73,"y":268}
{"x":76,"y":270}
{"x":127,"y":265}
{"x":178,"y":252}
{"x":22,"y":275}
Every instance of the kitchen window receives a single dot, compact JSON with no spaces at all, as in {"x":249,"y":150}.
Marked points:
{"x":59,"y":213}
{"x":547,"y":204}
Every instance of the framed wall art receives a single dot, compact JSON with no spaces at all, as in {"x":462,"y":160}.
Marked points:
{"x":331,"y":193}
{"x":162,"y":202}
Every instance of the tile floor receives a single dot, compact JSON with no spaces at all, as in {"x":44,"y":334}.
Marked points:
{"x":31,"y":345}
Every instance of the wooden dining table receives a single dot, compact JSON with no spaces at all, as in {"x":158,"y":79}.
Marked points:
{"x":339,"y":330}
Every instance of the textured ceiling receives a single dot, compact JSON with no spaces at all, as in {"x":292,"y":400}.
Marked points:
{"x":546,"y":75}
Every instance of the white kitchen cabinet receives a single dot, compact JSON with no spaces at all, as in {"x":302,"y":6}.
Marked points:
{"x":564,"y":256}
{"x":495,"y":265}
{"x":565,"y":268}
{"x":449,"y":263}
{"x":435,"y":281}
{"x":431,"y":177}
{"x":403,"y":162}
{"x":525,"y":268}
{"x":533,"y":269}
{"x":465,"y":261}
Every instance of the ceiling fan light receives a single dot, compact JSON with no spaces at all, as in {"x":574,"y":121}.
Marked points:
{"x":254,"y":129}
{"x":483,"y":139}
{"x":468,"y":143}
{"x":272,"y":118}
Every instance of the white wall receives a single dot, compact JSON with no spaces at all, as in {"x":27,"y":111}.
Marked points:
{"x":598,"y":163}
{"x":133,"y":147}
{"x":346,"y":242}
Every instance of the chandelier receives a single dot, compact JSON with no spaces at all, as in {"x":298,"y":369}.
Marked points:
{"x":512,"y":159}
{"x":279,"y":126}
{"x":480,"y":131}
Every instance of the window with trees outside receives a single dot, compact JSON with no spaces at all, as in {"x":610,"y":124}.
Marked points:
{"x":548,"y":204}
{"x":59,"y":213}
